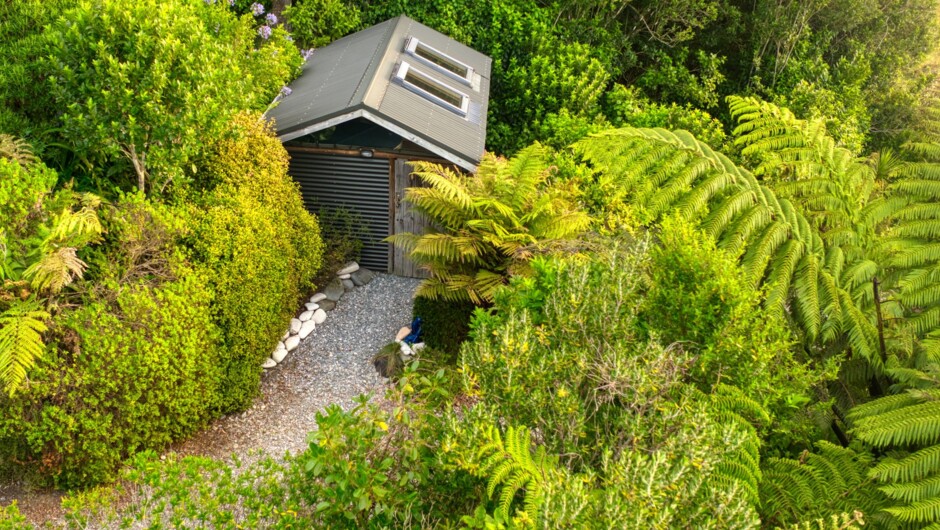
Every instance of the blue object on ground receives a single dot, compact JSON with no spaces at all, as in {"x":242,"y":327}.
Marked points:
{"x":415,"y":335}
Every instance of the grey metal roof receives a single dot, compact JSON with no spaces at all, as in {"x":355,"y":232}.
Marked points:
{"x":353,"y":78}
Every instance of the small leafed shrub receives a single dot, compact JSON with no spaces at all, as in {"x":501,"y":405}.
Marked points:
{"x":134,"y":368}
{"x":259,"y":248}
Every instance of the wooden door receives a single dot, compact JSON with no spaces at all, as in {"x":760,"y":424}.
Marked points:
{"x":405,"y":219}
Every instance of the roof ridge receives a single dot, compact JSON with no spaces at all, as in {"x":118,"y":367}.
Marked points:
{"x":370,"y":70}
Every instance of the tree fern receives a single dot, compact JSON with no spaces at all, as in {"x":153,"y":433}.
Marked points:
{"x":779,"y":246}
{"x":491,"y":223}
{"x":511,"y":466}
{"x":909,"y":425}
{"x":830,"y":481}
{"x":21,"y":343}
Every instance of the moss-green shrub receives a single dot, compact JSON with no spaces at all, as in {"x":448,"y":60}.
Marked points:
{"x":445,"y":324}
{"x":134,"y":368}
{"x":259,"y":248}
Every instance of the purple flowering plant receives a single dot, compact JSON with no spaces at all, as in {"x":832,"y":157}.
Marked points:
{"x":271,"y":18}
{"x":257,"y":9}
{"x":264,"y":32}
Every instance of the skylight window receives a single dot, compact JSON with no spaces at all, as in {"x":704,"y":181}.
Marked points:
{"x":433,"y":89}
{"x":439,"y":60}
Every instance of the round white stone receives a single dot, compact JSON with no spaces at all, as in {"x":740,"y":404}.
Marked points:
{"x":344,"y":276}
{"x":305,"y":316}
{"x":317,"y":297}
{"x":279,"y":355}
{"x":269,"y":363}
{"x":311,"y":306}
{"x":319,"y":316}
{"x":307,"y":329}
{"x":292,"y":342}
{"x":350,"y":268}
{"x":295,"y":326}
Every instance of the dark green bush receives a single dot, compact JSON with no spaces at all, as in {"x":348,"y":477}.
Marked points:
{"x":445,"y":324}
{"x":259,"y":248}
{"x":316,"y":23}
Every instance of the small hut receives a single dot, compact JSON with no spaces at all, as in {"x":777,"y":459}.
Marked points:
{"x":367,"y":105}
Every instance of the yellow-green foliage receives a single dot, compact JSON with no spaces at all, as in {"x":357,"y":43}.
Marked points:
{"x":20,"y":341}
{"x":133,"y":369}
{"x":22,"y":189}
{"x":259,"y":248}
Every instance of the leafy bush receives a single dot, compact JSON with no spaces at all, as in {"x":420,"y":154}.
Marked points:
{"x":134,"y":368}
{"x":445,"y":324}
{"x":259,"y":248}
{"x":142,"y":88}
{"x":316,"y":23}
{"x":22,"y":188}
{"x":563,"y":355}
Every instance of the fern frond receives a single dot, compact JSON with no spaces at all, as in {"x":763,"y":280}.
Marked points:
{"x":21,"y":343}
{"x":55,"y":270}
{"x":17,"y":150}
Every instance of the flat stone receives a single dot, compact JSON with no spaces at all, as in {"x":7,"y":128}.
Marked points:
{"x":295,"y":326}
{"x":305,"y":316}
{"x":279,"y":354}
{"x":319,"y":316}
{"x":343,"y":276}
{"x":269,"y":363}
{"x":307,"y":329}
{"x":362,"y":277}
{"x":349,"y":268}
{"x":312,"y":306}
{"x":327,"y":305}
{"x":292,"y":342}
{"x":317,"y":297}
{"x":334,"y":290}
{"x":348,"y":285}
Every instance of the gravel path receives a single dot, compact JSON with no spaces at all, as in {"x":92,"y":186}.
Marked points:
{"x":332,"y":365}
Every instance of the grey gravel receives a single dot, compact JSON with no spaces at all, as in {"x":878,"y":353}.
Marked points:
{"x":332,"y":365}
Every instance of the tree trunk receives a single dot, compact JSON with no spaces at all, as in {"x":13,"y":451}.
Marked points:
{"x":139,"y":167}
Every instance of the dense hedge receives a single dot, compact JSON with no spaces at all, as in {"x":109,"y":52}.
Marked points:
{"x":135,"y":367}
{"x":260,"y":248}
{"x":179,"y":306}
{"x":445,"y":324}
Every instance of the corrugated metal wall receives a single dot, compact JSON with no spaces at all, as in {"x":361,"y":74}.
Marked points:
{"x":359,"y":184}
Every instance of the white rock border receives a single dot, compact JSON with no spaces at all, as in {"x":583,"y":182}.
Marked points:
{"x":309,"y":317}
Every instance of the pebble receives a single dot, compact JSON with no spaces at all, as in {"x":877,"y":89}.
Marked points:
{"x":307,"y":329}
{"x":349,"y":268}
{"x":305,"y":316}
{"x":317,"y":297}
{"x":295,"y":326}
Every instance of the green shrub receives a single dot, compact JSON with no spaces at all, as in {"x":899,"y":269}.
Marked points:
{"x":190,"y":492}
{"x":11,"y":519}
{"x":316,"y":23}
{"x":134,"y":368}
{"x":259,"y":248}
{"x":22,"y":189}
{"x":445,"y":324}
